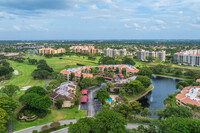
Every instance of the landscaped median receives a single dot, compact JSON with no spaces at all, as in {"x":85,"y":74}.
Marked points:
{"x":135,"y":97}
{"x":55,"y":115}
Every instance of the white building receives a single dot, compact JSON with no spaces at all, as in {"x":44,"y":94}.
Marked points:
{"x":112,"y":52}
{"x":142,"y":54}
{"x":189,"y":57}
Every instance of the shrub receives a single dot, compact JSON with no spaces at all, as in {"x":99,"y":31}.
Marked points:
{"x":35,"y":131}
{"x":45,"y":129}
{"x":55,"y":125}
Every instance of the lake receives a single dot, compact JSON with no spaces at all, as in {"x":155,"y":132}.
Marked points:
{"x":162,"y":88}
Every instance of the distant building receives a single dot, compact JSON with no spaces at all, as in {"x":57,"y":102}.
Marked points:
{"x":77,"y":72}
{"x":142,"y":54}
{"x":9,"y":54}
{"x":66,"y":90}
{"x":51,"y":51}
{"x":130,"y":70}
{"x":84,"y":49}
{"x":189,"y":95}
{"x":189,"y":57}
{"x":113,"y":52}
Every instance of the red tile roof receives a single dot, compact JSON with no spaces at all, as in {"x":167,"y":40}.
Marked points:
{"x":84,"y":99}
{"x":84,"y":91}
{"x":181,"y":96}
{"x":198,"y":80}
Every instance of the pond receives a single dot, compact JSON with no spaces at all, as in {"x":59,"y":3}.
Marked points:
{"x":162,"y":88}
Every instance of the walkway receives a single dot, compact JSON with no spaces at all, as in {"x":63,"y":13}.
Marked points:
{"x":29,"y":130}
{"x":65,"y":130}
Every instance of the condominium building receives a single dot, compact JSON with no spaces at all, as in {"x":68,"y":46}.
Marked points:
{"x":84,"y":49}
{"x":189,"y":95}
{"x":113,"y":52}
{"x":130,"y":70}
{"x":189,"y":57}
{"x":67,"y":91}
{"x":51,"y":51}
{"x":142,"y":54}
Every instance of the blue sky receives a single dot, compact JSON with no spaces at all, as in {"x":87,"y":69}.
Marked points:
{"x":99,"y":19}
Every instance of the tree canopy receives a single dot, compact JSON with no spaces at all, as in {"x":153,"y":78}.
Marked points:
{"x":145,"y":71}
{"x":36,"y":89}
{"x":179,"y":125}
{"x":8,"y":104}
{"x":102,"y":95}
{"x":110,"y":121}
{"x":145,"y":80}
{"x":3,"y":120}
{"x":10,"y":90}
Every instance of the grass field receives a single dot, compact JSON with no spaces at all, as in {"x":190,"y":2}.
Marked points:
{"x":55,"y":115}
{"x":25,"y":79}
{"x":59,"y":64}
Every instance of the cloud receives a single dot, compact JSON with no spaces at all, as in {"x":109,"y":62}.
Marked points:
{"x":36,"y":4}
{"x":36,"y":28}
{"x":136,"y":25}
{"x":17,"y":27}
{"x":94,"y":7}
{"x":154,"y":28}
{"x":160,"y":22}
{"x":180,"y":12}
{"x":127,"y":26}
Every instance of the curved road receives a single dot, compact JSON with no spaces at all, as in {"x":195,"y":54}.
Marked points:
{"x":65,"y":130}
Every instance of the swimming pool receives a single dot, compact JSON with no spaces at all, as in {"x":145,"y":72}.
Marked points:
{"x":109,"y":100}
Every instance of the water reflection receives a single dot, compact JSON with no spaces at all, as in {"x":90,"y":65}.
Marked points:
{"x":162,"y":88}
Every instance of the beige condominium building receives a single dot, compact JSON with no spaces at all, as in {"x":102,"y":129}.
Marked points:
{"x":142,"y":54}
{"x":51,"y":51}
{"x":189,"y":57}
{"x":84,"y":49}
{"x":113,"y":52}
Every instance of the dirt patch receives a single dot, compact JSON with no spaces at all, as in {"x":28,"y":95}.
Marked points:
{"x":59,"y":116}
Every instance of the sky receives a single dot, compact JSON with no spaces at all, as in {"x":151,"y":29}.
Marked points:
{"x":99,"y":19}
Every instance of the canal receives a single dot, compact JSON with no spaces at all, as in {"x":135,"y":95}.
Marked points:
{"x":162,"y":88}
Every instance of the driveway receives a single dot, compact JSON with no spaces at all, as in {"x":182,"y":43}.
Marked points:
{"x":93,"y":105}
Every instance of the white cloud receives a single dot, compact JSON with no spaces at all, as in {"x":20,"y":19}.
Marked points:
{"x":17,"y":27}
{"x":36,"y":27}
{"x":180,"y":12}
{"x":127,"y":26}
{"x":136,"y":25}
{"x":160,"y":22}
{"x":154,"y":28}
{"x":94,"y":7}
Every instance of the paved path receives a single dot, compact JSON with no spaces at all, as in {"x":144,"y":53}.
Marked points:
{"x":29,"y":130}
{"x":129,"y":126}
{"x":45,"y":87}
{"x":91,"y":104}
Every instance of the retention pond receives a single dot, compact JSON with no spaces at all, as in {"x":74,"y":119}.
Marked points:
{"x":162,"y":88}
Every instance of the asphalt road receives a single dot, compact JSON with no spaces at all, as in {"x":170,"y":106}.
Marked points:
{"x":129,"y":126}
{"x":92,"y":103}
{"x":29,"y":130}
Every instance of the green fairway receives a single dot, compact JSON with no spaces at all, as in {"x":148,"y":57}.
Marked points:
{"x":59,"y":64}
{"x":24,"y":78}
{"x":55,"y":115}
{"x":25,"y":69}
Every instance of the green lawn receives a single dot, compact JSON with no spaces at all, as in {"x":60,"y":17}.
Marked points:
{"x":24,"y":78}
{"x":59,"y":64}
{"x":55,"y":115}
{"x":173,"y":76}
